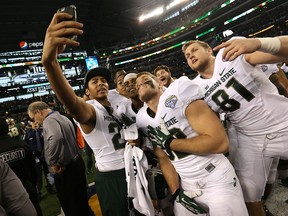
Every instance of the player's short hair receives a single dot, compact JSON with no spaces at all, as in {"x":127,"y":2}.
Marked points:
{"x":119,"y":72}
{"x":201,"y":43}
{"x":160,"y":67}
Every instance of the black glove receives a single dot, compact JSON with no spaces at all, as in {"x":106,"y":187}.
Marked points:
{"x":186,"y":199}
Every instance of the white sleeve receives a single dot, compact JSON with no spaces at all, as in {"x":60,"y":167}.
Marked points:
{"x":189,"y":91}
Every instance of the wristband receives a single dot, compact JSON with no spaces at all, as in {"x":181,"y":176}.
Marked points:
{"x":175,"y":194}
{"x":168,"y":142}
{"x":270,"y":45}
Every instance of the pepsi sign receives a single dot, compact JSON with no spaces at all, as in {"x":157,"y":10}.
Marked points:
{"x":32,"y":45}
{"x":23,"y":45}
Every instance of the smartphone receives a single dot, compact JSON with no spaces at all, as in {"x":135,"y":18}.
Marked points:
{"x":71,"y":9}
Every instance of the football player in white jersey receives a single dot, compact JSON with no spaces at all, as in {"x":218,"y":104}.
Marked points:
{"x":98,"y":125}
{"x":278,"y":78}
{"x":119,"y":94}
{"x":128,"y":109}
{"x":193,"y":143}
{"x":126,"y":112}
{"x":163,"y":74}
{"x":232,"y":84}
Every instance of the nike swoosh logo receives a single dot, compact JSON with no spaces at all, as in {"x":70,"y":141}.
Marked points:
{"x":222,"y":72}
{"x":183,"y":200}
{"x":188,"y":203}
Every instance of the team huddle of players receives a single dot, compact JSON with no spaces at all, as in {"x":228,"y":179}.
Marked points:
{"x":180,"y":125}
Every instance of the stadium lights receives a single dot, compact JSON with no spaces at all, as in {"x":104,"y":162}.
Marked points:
{"x":174,"y":3}
{"x":225,"y":34}
{"x":248,"y":12}
{"x":183,"y":27}
{"x":154,"y":13}
{"x":160,"y":10}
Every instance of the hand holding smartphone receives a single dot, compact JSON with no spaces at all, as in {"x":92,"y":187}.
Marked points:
{"x":71,"y":9}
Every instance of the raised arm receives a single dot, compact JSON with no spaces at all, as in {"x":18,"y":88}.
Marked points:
{"x":257,"y":50}
{"x":55,"y":43}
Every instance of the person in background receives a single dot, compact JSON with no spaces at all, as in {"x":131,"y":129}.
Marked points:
{"x":119,"y":94}
{"x":19,"y":157}
{"x":89,"y":159}
{"x":34,"y":139}
{"x":14,"y":128}
{"x":82,"y":144}
{"x":164,"y":76}
{"x":22,"y":129}
{"x":63,"y":157}
{"x":14,"y":199}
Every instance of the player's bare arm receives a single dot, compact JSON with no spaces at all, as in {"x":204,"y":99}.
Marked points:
{"x":168,"y":170}
{"x":55,"y":43}
{"x":272,"y":50}
{"x":211,"y":139}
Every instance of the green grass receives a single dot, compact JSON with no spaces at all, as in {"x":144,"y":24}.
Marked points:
{"x":50,"y":204}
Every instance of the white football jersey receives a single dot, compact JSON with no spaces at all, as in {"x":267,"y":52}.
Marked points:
{"x":268,"y":69}
{"x":115,"y":98}
{"x":105,"y":140}
{"x":142,"y":121}
{"x":246,"y":95}
{"x":125,"y":107}
{"x":171,"y":108}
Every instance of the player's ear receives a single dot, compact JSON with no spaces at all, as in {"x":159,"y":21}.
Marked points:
{"x":210,"y":51}
{"x":87,"y":92}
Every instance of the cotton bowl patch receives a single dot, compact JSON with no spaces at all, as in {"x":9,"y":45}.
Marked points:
{"x":171,"y":101}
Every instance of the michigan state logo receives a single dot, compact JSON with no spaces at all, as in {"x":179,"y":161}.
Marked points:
{"x":171,"y":101}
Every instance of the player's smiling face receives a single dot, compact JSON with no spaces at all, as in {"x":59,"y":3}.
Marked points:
{"x":163,"y":76}
{"x":130,"y":87}
{"x":197,"y":56}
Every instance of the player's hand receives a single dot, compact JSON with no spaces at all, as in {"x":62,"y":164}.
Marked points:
{"x":237,"y":47}
{"x":160,"y":137}
{"x":55,"y":38}
{"x":186,"y":199}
